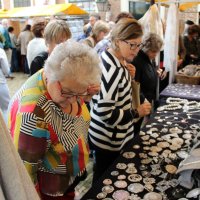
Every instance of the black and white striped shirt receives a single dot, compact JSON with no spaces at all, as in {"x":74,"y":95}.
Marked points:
{"x":111,"y":125}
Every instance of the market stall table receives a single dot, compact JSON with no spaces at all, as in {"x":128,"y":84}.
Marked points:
{"x":146,"y":169}
{"x":184,"y":91}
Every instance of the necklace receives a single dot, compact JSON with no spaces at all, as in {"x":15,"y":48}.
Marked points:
{"x":172,"y":100}
{"x":172,"y":106}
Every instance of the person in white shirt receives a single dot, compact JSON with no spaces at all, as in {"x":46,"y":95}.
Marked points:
{"x":4,"y":91}
{"x":37,"y":44}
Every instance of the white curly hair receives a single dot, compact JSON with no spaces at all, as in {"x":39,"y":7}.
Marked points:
{"x":74,"y":60}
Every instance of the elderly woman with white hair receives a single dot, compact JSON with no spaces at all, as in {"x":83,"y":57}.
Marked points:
{"x":49,"y":119}
{"x":146,"y":70}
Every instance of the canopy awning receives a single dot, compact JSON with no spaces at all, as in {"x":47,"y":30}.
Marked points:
{"x":183,"y":4}
{"x":48,"y":10}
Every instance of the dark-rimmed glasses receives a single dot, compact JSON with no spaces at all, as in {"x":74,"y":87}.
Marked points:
{"x":134,"y":46}
{"x":71,"y":95}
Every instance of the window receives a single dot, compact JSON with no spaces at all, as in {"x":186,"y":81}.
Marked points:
{"x":138,"y":9}
{"x":22,"y":3}
{"x":78,"y":1}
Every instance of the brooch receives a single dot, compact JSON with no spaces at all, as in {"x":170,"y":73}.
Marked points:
{"x":135,"y":188}
{"x":134,"y":177}
{"x":121,"y":194}
{"x":120,"y":184}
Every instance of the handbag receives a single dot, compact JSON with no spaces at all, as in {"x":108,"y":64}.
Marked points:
{"x":135,"y":96}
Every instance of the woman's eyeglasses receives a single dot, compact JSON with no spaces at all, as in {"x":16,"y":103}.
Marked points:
{"x":134,"y":46}
{"x":70,"y":94}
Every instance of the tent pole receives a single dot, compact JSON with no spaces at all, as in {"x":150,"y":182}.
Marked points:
{"x":174,"y":69}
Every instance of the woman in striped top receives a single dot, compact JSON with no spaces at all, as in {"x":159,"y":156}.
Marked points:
{"x":111,"y":126}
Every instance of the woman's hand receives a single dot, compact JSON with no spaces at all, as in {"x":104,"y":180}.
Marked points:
{"x":130,"y":68}
{"x":159,"y":72}
{"x":91,"y":90}
{"x":144,"y":109}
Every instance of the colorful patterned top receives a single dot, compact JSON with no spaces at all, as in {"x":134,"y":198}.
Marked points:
{"x":52,"y":144}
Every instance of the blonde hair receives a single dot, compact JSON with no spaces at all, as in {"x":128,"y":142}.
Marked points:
{"x":125,"y":29}
{"x":100,"y":26}
{"x":75,"y":60}
{"x":56,"y":30}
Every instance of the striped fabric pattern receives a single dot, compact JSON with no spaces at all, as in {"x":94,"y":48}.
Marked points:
{"x":109,"y":129}
{"x":48,"y":140}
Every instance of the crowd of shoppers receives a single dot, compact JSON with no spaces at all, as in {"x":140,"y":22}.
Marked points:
{"x":76,"y":100}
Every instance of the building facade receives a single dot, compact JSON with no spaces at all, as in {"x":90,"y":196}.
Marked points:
{"x":108,"y":9}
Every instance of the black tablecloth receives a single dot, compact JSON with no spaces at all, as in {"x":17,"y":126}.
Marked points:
{"x":191,"y":92}
{"x":164,"y":120}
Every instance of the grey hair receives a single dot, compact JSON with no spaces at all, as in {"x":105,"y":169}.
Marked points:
{"x":74,"y":60}
{"x":152,"y":42}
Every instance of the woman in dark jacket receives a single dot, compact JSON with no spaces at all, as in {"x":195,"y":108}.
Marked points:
{"x":146,"y":70}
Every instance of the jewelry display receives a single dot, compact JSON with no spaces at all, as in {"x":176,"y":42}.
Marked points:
{"x":175,"y":130}
{"x":149,"y":180}
{"x":195,"y":126}
{"x":163,"y":144}
{"x":182,"y":154}
{"x":187,"y":136}
{"x":152,"y":141}
{"x":131,"y":165}
{"x":135,"y":188}
{"x":177,"y":141}
{"x":121,"y":177}
{"x":134,"y":197}
{"x":156,"y":149}
{"x":136,"y":146}
{"x":146,"y":174}
{"x":148,"y":167}
{"x":171,"y":169}
{"x":153,"y":154}
{"x":107,"y":181}
{"x":143,"y":167}
{"x":193,"y":193}
{"x":101,"y":195}
{"x":120,"y":184}
{"x":142,"y":133}
{"x":146,"y":148}
{"x":170,"y":107}
{"x":172,"y":156}
{"x":135,"y":178}
{"x":154,"y":135}
{"x":146,"y":161}
{"x":121,"y":194}
{"x":156,"y":172}
{"x":149,"y":187}
{"x":129,"y":155}
{"x":121,"y":166}
{"x":146,"y":137}
{"x":146,"y":143}
{"x":171,"y":100}
{"x":152,"y":196}
{"x":131,"y":170}
{"x":108,"y":189}
{"x":114,"y":173}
